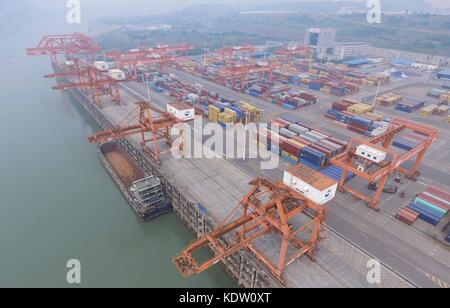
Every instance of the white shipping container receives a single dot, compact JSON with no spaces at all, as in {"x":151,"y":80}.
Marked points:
{"x":117,"y":74}
{"x":311,"y":184}
{"x":181,"y":111}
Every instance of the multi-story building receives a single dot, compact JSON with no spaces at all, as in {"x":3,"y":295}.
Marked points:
{"x":321,"y":39}
{"x":345,"y":51}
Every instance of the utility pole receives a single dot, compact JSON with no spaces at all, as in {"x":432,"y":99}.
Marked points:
{"x":148,"y":93}
{"x":376,"y":93}
{"x":427,"y":77}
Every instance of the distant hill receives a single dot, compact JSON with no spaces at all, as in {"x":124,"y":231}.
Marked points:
{"x":204,"y":12}
{"x":333,"y":6}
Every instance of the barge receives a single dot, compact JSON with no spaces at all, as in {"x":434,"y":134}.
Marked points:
{"x":145,"y":194}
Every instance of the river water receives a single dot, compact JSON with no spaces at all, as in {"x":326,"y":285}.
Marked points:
{"x":56,"y":200}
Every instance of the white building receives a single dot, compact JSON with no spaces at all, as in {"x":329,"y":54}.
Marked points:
{"x":353,"y":50}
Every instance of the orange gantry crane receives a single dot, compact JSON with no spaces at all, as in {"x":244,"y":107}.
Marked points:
{"x":379,"y":172}
{"x":153,"y":121}
{"x":241,"y":71}
{"x":227,"y":53}
{"x":163,"y":55}
{"x":81,"y":75}
{"x":291,"y":51}
{"x":65,"y":44}
{"x":266,"y":210}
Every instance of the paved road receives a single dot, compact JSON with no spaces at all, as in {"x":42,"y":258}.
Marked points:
{"x":419,"y":268}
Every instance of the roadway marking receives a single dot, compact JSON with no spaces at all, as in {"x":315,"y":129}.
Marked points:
{"x":435,"y":280}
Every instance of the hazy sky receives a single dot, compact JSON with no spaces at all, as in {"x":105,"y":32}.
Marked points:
{"x":96,"y":8}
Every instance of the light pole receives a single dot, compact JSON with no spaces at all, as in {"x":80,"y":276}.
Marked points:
{"x":376,"y":93}
{"x":148,"y":92}
{"x":427,"y":77}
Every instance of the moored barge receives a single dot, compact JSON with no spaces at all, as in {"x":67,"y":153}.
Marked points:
{"x":145,"y":194}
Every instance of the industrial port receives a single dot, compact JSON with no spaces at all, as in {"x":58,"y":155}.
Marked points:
{"x":359,"y":144}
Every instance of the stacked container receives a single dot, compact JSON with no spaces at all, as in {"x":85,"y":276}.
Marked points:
{"x":441,"y":110}
{"x":407,"y":216}
{"x":298,"y":141}
{"x":409,"y":141}
{"x":428,"y":110}
{"x":360,"y":108}
{"x":389,"y":99}
{"x":432,"y":205}
{"x":409,"y":104}
{"x":436,"y":93}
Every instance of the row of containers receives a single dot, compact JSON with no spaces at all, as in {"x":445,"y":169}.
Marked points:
{"x":402,"y":103}
{"x":357,"y":117}
{"x":338,"y":80}
{"x":231,"y":113}
{"x":297,"y":143}
{"x":209,"y":103}
{"x":440,"y":94}
{"x":431,"y":206}
{"x":283,"y":95}
{"x":434,"y":109}
{"x":409,"y":141}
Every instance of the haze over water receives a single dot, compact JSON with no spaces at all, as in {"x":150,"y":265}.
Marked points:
{"x":56,"y":200}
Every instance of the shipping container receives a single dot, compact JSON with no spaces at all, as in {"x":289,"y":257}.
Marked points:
{"x":287,"y":133}
{"x":313,"y":185}
{"x":438,"y":193}
{"x":409,"y":104}
{"x":404,"y":144}
{"x":425,"y":215}
{"x":407,"y":216}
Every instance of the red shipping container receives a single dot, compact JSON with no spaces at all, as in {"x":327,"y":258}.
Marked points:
{"x":438,"y":193}
{"x":356,"y":129}
{"x":325,"y":151}
{"x":291,"y":148}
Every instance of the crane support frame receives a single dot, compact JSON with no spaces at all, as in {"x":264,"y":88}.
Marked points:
{"x":266,"y":209}
{"x":153,"y":121}
{"x":381,"y":176}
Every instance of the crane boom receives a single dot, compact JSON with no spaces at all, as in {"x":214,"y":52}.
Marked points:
{"x":151,"y":120}
{"x":266,"y":208}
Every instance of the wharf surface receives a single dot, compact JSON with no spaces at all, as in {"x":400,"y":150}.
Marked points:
{"x":204,"y":191}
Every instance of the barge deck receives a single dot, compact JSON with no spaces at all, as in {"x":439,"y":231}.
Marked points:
{"x":125,"y":173}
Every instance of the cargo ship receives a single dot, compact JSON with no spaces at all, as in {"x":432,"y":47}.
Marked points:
{"x":145,"y":194}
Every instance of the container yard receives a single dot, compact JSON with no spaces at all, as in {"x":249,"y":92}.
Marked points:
{"x":327,"y":209}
